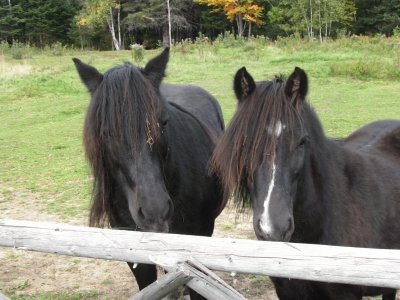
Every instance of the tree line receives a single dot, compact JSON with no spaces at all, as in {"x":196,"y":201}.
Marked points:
{"x":105,"y":24}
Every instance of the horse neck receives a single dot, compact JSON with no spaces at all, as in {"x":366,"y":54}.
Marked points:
{"x":187,"y":151}
{"x":315,"y":188}
{"x":190,"y":149}
{"x":331,"y":208}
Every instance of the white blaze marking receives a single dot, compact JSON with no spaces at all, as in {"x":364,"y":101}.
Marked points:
{"x":278,"y":129}
{"x":265,"y":223}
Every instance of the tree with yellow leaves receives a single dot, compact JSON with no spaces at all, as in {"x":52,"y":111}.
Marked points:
{"x":242,"y":11}
{"x":97,"y":12}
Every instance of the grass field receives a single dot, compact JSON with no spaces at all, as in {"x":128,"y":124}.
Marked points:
{"x":43,"y":172}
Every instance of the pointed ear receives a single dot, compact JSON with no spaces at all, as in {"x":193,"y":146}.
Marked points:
{"x":89,"y":75}
{"x":155,"y":68}
{"x":296,"y":87}
{"x":243,"y":84}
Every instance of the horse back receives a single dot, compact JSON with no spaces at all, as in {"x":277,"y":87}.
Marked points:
{"x":198,"y":102}
{"x":373,"y":175}
{"x":378,"y":138}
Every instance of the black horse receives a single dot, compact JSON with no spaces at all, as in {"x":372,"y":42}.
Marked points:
{"x":149,"y":147}
{"x":304,"y":187}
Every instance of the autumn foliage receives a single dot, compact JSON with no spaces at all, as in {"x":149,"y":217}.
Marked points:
{"x":237,"y":10}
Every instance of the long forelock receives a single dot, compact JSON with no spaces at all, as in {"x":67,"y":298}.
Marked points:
{"x":250,"y":138}
{"x":129,"y":108}
{"x":122,"y":117}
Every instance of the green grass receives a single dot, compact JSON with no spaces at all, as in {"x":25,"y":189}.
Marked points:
{"x":66,"y":295}
{"x":43,"y":103}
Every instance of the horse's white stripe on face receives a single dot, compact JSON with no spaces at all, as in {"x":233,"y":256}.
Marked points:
{"x":279,"y":127}
{"x":265,"y":223}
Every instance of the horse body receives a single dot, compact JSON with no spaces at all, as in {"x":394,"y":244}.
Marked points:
{"x":350,"y":197}
{"x":306,"y":188}
{"x":355,"y":184}
{"x":149,"y":146}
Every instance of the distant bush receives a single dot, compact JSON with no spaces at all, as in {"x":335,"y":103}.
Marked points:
{"x":185,"y":46}
{"x":4,"y":47}
{"x":57,"y":49}
{"x":228,"y":40}
{"x":396,"y":32}
{"x":137,"y":52}
{"x":365,"y":69}
{"x":20,"y":51}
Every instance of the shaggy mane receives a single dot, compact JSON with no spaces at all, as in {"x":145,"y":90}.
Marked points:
{"x":246,"y":141}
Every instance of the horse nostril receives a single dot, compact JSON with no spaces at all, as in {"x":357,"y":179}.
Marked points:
{"x":288,"y":233}
{"x":290,"y":226}
{"x":259,"y":226}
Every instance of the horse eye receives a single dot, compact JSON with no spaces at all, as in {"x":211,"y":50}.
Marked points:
{"x":163,"y":122}
{"x":302,"y":142}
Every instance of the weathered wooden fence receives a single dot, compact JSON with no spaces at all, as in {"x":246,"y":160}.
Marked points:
{"x":189,"y":259}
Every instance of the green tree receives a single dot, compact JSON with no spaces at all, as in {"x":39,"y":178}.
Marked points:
{"x":210,"y":23}
{"x":377,"y":16}
{"x":11,"y":21}
{"x":96,"y":13}
{"x":313,"y":18}
{"x":151,"y":16}
{"x":36,"y":21}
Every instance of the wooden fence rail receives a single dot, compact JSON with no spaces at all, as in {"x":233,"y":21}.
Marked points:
{"x":375,"y":267}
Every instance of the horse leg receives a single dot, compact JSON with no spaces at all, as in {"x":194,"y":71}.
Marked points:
{"x":145,"y":274}
{"x":195,"y":296}
{"x":206,"y":231}
{"x":389,"y":296}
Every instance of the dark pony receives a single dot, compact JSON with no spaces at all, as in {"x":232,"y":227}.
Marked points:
{"x":304,"y":187}
{"x":149,"y":146}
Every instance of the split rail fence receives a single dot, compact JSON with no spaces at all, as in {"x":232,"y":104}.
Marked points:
{"x":190,"y":259}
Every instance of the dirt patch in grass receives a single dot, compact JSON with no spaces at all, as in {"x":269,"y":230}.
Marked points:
{"x":8,"y":70}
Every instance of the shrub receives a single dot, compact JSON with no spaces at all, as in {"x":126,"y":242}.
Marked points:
{"x":185,"y":46}
{"x":20,"y":51}
{"x":57,"y":49}
{"x":137,"y":52}
{"x":4,"y":47}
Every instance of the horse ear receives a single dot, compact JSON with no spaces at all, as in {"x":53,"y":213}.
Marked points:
{"x":155,"y":68}
{"x":89,"y":75}
{"x":297,"y":85}
{"x":243,"y":84}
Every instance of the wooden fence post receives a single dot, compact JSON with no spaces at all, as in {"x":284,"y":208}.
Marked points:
{"x":208,"y":284}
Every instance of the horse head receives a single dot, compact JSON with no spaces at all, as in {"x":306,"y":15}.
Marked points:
{"x":260,"y":157}
{"x":126,"y":142}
